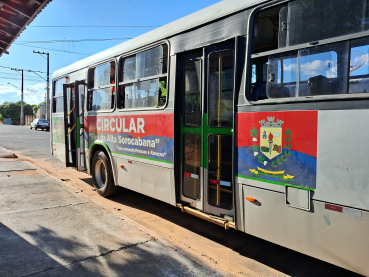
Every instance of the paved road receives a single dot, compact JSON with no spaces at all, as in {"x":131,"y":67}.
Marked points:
{"x":244,"y":249}
{"x":46,"y":229}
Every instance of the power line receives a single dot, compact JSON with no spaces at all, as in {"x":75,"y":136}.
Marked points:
{"x":126,"y":10}
{"x":102,"y":18}
{"x":68,"y":40}
{"x":94,"y":17}
{"x":1,"y":72}
{"x":24,"y":69}
{"x":98,"y":26}
{"x":11,"y":78}
{"x":54,"y":50}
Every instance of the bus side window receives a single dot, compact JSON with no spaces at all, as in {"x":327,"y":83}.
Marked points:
{"x":151,"y":66}
{"x":338,"y":67}
{"x":58,"y":104}
{"x":101,"y":93}
{"x":359,"y":66}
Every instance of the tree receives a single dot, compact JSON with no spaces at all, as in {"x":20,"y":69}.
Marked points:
{"x":12,"y":110}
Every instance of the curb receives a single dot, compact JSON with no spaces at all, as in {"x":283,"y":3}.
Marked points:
{"x":6,"y":154}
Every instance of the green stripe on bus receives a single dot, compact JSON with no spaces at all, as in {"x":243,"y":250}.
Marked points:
{"x":143,"y":157}
{"x":276,"y":183}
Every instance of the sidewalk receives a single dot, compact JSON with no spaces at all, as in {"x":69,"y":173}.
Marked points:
{"x":46,"y":229}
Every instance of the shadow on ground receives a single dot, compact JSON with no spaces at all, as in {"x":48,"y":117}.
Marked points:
{"x":272,"y":255}
{"x":42,"y":258}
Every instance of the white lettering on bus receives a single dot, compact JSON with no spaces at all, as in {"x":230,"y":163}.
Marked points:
{"x":132,"y":126}
{"x":106,"y":124}
{"x":119,"y":129}
{"x":112,"y":128}
{"x":119,"y":125}
{"x":98,"y":125}
{"x":140,"y":125}
{"x":125,"y":130}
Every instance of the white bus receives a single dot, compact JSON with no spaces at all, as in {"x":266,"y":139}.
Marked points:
{"x":250,"y":114}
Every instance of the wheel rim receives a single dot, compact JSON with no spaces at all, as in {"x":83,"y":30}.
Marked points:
{"x":100,"y":174}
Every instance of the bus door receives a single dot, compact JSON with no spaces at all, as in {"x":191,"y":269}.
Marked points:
{"x":73,"y":124}
{"x":207,"y":91}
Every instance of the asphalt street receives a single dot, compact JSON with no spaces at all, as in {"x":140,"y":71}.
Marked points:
{"x":44,"y":226}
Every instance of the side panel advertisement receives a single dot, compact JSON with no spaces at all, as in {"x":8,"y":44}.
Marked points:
{"x":278,"y":147}
{"x":58,"y":129}
{"x":147,"y":136}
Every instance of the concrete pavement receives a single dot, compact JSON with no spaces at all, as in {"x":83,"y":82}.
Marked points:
{"x":46,"y":229}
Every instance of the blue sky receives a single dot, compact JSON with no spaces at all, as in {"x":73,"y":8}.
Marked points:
{"x":77,"y":13}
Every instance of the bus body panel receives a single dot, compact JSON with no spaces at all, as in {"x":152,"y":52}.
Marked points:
{"x":336,"y":237}
{"x":336,"y":167}
{"x":151,"y":180}
{"x":147,"y":136}
{"x":140,"y":146}
{"x":279,"y":148}
{"x":343,"y":158}
{"x":57,"y":136}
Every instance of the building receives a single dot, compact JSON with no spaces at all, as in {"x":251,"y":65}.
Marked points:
{"x":41,"y":112}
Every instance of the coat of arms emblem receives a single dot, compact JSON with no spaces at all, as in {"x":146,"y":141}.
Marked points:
{"x":275,"y":145}
{"x":271,"y":137}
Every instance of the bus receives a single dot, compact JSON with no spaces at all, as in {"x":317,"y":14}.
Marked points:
{"x":250,"y":114}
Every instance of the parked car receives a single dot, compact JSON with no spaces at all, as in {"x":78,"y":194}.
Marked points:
{"x":40,"y":123}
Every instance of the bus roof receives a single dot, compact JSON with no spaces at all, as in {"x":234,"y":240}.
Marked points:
{"x":213,"y":12}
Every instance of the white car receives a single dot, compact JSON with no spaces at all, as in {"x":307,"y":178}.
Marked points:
{"x":40,"y":123}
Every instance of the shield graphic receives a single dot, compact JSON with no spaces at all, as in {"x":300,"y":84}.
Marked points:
{"x":271,"y":141}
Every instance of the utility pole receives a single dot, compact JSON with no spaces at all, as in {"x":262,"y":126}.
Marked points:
{"x":22,"y":110}
{"x":47,"y":85}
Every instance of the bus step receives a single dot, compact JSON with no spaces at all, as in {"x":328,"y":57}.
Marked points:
{"x":224,"y":223}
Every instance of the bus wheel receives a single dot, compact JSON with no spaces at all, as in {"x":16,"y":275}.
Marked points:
{"x":102,"y":175}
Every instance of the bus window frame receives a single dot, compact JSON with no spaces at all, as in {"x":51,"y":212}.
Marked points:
{"x":135,"y":52}
{"x":102,"y":87}
{"x":53,"y":92}
{"x":250,"y":55}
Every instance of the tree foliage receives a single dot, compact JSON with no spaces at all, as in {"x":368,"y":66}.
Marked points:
{"x":12,"y":110}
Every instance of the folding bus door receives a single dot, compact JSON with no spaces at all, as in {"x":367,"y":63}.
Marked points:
{"x":190,"y":68}
{"x":73,"y":124}
{"x":69,"y":124}
{"x":207,"y":92}
{"x":79,"y":88}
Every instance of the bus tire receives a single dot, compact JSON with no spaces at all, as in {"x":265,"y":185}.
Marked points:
{"x":102,"y":175}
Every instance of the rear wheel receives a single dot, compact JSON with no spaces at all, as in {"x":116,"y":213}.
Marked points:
{"x":30,"y":127}
{"x":35,"y":128}
{"x":102,"y":175}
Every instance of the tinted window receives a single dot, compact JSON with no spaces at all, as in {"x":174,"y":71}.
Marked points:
{"x":359,"y":66}
{"x":129,"y":69}
{"x":192,"y":83}
{"x":151,"y":92}
{"x":102,"y":75}
{"x":220,"y":88}
{"x":149,"y":63}
{"x":58,"y":95}
{"x":312,"y":71}
{"x":309,"y":21}
{"x":101,"y":98}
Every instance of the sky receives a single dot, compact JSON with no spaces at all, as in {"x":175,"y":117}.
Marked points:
{"x":85,"y":13}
